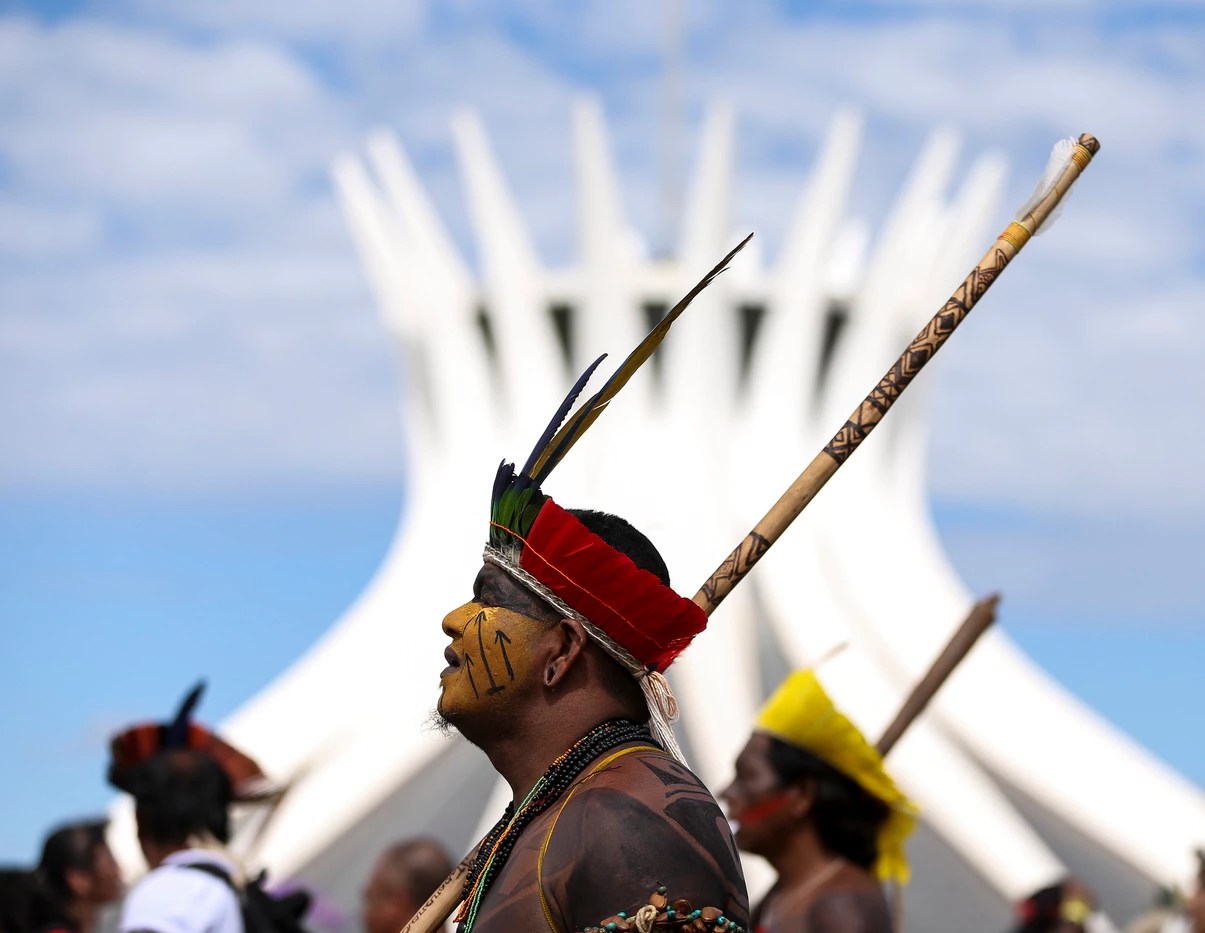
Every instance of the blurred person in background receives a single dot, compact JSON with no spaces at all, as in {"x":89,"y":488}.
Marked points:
{"x":78,"y":875}
{"x":1192,"y":918}
{"x":181,"y":799}
{"x":1165,"y":916}
{"x":20,"y":900}
{"x":1173,"y":912}
{"x":404,"y":876}
{"x":811,"y":796}
{"x":183,"y":779}
{"x":1066,"y":907}
{"x":75,"y":878}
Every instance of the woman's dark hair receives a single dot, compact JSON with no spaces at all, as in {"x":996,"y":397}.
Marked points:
{"x":179,"y":794}
{"x":19,"y":900}
{"x":847,"y":818}
{"x":71,"y":846}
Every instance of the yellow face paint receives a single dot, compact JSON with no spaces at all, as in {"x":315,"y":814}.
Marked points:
{"x":489,"y":657}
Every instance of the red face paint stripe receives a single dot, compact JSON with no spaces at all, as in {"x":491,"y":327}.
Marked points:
{"x":759,"y":811}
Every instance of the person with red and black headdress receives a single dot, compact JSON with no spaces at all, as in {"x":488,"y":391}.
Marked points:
{"x":183,"y":779}
{"x":556,"y":671}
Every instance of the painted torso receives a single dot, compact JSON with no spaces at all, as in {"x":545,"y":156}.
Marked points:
{"x":638,"y":823}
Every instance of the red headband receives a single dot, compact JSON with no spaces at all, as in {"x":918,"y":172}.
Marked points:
{"x":631,"y":606}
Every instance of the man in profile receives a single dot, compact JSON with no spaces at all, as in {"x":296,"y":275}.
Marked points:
{"x":605,"y":821}
{"x":556,"y":671}
{"x":402,"y":879}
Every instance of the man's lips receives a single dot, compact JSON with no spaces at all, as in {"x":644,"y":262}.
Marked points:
{"x":453,"y":660}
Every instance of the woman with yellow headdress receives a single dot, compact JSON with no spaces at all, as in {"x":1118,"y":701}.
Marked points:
{"x":811,"y":796}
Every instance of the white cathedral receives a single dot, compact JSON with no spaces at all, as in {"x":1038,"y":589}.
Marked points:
{"x":1019,"y":783}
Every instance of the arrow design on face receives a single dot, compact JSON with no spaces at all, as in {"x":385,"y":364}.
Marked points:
{"x":495,"y":687}
{"x":468,"y":666}
{"x":502,"y":640}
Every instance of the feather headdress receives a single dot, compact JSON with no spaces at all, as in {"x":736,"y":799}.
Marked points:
{"x":516,"y":498}
{"x":136,"y":745}
{"x":638,"y":620}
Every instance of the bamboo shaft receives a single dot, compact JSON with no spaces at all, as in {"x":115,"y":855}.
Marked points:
{"x":978,"y":621}
{"x":439,"y":906}
{"x":875,"y":406}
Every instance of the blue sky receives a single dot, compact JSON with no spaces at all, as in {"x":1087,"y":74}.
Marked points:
{"x":198,"y":402}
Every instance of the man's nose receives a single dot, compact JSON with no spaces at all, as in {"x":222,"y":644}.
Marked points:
{"x":454,"y":622}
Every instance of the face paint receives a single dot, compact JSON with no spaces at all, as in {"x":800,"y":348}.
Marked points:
{"x":757,"y":802}
{"x":490,"y":654}
{"x":758,"y":812}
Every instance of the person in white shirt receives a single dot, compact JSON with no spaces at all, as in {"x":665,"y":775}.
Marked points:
{"x":183,"y":779}
{"x":181,"y":799}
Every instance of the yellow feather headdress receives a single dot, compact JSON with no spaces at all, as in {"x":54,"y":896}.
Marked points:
{"x":800,"y":713}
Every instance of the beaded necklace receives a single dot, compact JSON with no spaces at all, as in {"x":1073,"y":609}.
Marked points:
{"x":499,"y":842}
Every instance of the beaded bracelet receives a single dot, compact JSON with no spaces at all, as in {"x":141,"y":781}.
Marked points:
{"x":660,"y":914}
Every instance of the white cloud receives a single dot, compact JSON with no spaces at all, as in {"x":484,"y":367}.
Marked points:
{"x":35,"y":232}
{"x":105,"y":113}
{"x":357,"y":23}
{"x":206,"y":371}
{"x":212,"y":151}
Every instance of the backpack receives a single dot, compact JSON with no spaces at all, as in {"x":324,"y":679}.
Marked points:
{"x":263,"y":912}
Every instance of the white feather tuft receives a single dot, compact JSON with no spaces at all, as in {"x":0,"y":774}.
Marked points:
{"x":1060,"y":155}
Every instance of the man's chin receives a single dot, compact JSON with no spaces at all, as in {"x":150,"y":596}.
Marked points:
{"x":437,"y":721}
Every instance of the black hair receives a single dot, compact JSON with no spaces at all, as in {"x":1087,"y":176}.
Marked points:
{"x":181,"y":793}
{"x":846,"y":817}
{"x":625,"y":538}
{"x":70,"y":846}
{"x":22,"y":904}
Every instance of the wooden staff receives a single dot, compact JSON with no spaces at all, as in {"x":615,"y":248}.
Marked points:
{"x":441,"y":904}
{"x":868,"y":414}
{"x":980,"y":619}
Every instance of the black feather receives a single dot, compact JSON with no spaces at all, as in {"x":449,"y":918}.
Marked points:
{"x":559,"y":418}
{"x":585,"y":416}
{"x":176,"y":735}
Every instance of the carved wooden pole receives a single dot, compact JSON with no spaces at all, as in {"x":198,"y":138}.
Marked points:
{"x":439,"y":906}
{"x":876,"y":405}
